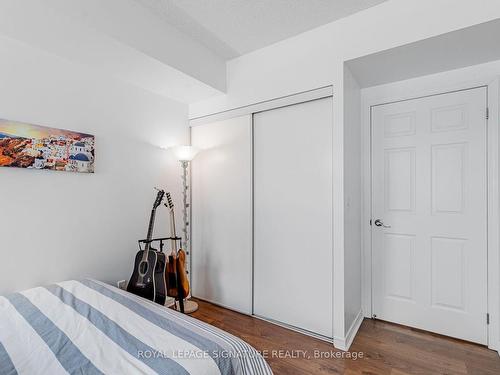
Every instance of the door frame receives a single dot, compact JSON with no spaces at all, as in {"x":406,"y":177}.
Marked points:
{"x":422,"y":87}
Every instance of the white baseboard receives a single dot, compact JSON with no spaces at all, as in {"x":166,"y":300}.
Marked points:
{"x":494,"y":346}
{"x":344,"y":343}
{"x":222,"y":305}
{"x":296,"y":329}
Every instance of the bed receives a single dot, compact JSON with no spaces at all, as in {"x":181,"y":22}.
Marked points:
{"x":89,"y":327}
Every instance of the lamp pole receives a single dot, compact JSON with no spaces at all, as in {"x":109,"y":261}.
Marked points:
{"x":185,"y":154}
{"x":186,"y":215}
{"x":189,"y":306}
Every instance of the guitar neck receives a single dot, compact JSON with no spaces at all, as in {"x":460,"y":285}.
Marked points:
{"x":150,"y":234}
{"x":172,"y":230}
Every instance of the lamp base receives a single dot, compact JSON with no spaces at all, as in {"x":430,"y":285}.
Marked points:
{"x":190,"y":306}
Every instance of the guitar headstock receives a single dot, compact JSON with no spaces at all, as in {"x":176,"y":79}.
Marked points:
{"x":170,"y":202}
{"x":159,"y":198}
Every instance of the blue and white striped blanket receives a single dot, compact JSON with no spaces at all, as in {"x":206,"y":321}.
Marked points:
{"x":88,"y":327}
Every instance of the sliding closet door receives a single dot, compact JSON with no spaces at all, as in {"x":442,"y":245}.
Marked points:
{"x":222,"y":213}
{"x":293,"y":215}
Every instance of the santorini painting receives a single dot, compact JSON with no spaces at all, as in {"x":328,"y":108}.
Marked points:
{"x":38,"y":147}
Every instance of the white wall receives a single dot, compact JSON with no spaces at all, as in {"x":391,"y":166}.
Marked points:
{"x":316,"y":59}
{"x":352,"y":200}
{"x":59,"y":225}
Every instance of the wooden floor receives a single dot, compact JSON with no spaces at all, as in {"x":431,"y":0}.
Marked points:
{"x":387,"y":348}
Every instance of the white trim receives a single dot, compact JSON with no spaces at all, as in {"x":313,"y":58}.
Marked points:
{"x":338,"y":249}
{"x":366,"y":204}
{"x":493,"y":217}
{"x":301,"y":97}
{"x":293,"y":328}
{"x":344,"y":343}
{"x":425,"y":86}
{"x":222,"y":305}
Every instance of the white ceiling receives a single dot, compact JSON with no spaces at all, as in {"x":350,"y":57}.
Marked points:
{"x":97,"y":35}
{"x":232,"y":28}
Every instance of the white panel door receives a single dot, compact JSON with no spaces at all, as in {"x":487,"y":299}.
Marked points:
{"x":222,"y":213}
{"x":293,"y":215}
{"x":429,"y":191}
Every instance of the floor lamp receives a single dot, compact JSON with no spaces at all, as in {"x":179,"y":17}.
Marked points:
{"x":185,"y":154}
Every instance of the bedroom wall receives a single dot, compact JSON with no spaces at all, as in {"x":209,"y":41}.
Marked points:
{"x":352,"y":200}
{"x":316,"y":59}
{"x":58,"y":225}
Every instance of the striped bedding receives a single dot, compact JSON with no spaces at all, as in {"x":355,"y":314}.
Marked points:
{"x":88,"y":327}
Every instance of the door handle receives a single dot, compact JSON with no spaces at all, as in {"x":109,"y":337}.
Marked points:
{"x":380,"y":223}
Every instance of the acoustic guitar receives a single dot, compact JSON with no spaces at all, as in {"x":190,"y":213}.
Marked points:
{"x":148,"y":278}
{"x":176,"y":264}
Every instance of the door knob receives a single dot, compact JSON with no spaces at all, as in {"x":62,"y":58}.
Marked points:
{"x":380,"y":223}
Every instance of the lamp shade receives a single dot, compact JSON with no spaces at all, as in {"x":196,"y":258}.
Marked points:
{"x":185,"y":153}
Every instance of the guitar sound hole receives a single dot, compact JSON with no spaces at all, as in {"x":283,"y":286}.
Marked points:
{"x":143,"y":268}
